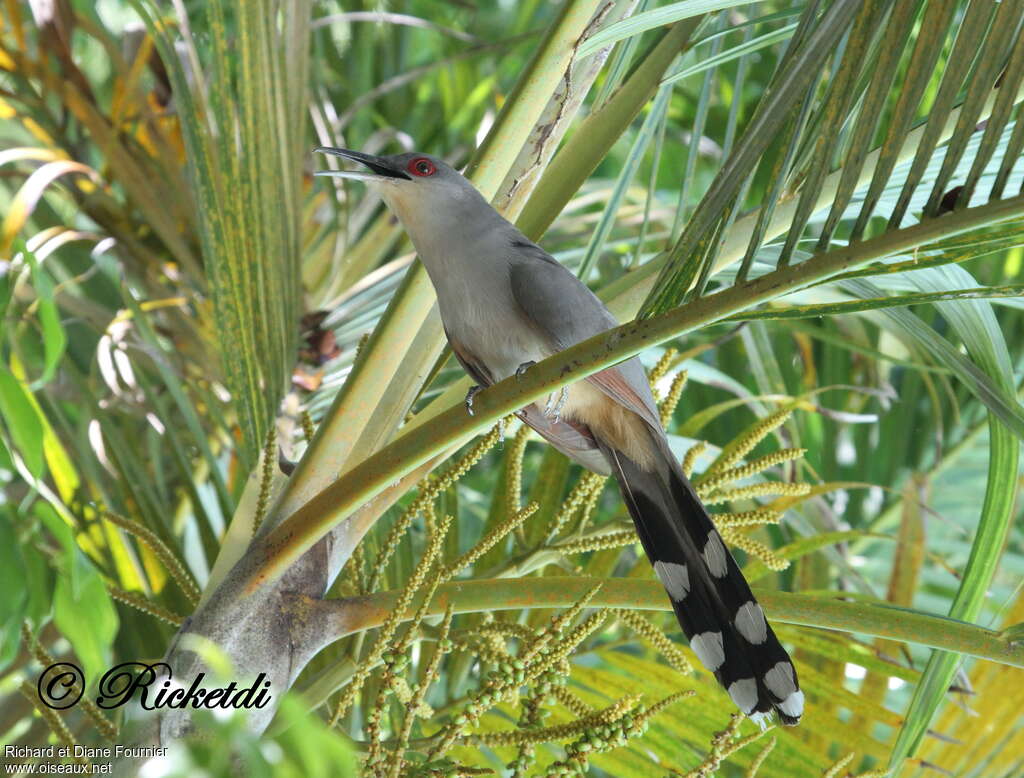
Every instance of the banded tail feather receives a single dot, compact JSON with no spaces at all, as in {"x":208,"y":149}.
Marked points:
{"x":712,"y":601}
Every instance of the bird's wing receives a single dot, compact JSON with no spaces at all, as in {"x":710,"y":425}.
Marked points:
{"x":564,"y":312}
{"x":575,"y":443}
{"x":476,"y":369}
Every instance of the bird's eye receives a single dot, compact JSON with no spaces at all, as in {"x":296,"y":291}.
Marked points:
{"x":422,"y":166}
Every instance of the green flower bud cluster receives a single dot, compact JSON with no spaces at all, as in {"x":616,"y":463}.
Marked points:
{"x":598,"y":739}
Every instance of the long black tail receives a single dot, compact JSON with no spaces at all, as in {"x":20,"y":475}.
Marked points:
{"x":712,"y":600}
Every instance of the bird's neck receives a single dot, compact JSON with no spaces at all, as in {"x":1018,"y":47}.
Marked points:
{"x":449,"y":236}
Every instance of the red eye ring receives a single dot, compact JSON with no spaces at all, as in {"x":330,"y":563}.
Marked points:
{"x":421,"y":166}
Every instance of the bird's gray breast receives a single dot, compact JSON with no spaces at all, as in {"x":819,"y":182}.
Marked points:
{"x":480,"y":312}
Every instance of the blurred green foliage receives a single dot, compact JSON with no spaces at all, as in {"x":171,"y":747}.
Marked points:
{"x":117,"y":392}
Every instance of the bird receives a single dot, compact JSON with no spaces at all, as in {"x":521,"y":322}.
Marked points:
{"x":506,"y":304}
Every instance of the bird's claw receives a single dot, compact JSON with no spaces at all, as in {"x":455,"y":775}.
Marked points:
{"x":472,"y":393}
{"x":523,"y":368}
{"x":553,"y":409}
{"x":285,"y":465}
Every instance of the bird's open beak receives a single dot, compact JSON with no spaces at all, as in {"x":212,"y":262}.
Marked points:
{"x":382,"y":168}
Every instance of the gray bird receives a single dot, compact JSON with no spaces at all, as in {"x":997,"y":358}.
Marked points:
{"x":506,"y":304}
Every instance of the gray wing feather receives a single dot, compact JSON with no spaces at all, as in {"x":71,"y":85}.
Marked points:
{"x":557,"y":302}
{"x":574,"y":442}
{"x":566,"y":312}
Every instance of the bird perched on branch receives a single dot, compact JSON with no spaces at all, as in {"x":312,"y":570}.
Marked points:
{"x":506,"y":304}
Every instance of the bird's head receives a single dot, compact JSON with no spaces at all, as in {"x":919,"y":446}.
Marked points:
{"x":402,"y":179}
{"x":412,"y":170}
{"x":426,"y":193}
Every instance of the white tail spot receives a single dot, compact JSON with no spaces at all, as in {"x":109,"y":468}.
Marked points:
{"x":708,"y":648}
{"x":751,"y":624}
{"x":715,"y":555}
{"x":744,"y":693}
{"x":780,"y":680}
{"x":761,"y":719}
{"x":793,"y":705}
{"x":675,"y":578}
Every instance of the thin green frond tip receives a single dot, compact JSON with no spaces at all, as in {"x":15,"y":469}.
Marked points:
{"x":648,"y":20}
{"x":975,"y":323}
{"x":248,"y":196}
{"x":996,"y":515}
{"x":700,"y":238}
{"x":893,"y":301}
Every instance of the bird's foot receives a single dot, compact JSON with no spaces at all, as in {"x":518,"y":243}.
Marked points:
{"x":523,"y":368}
{"x":553,"y":409}
{"x":470,"y":395}
{"x":284,"y":463}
